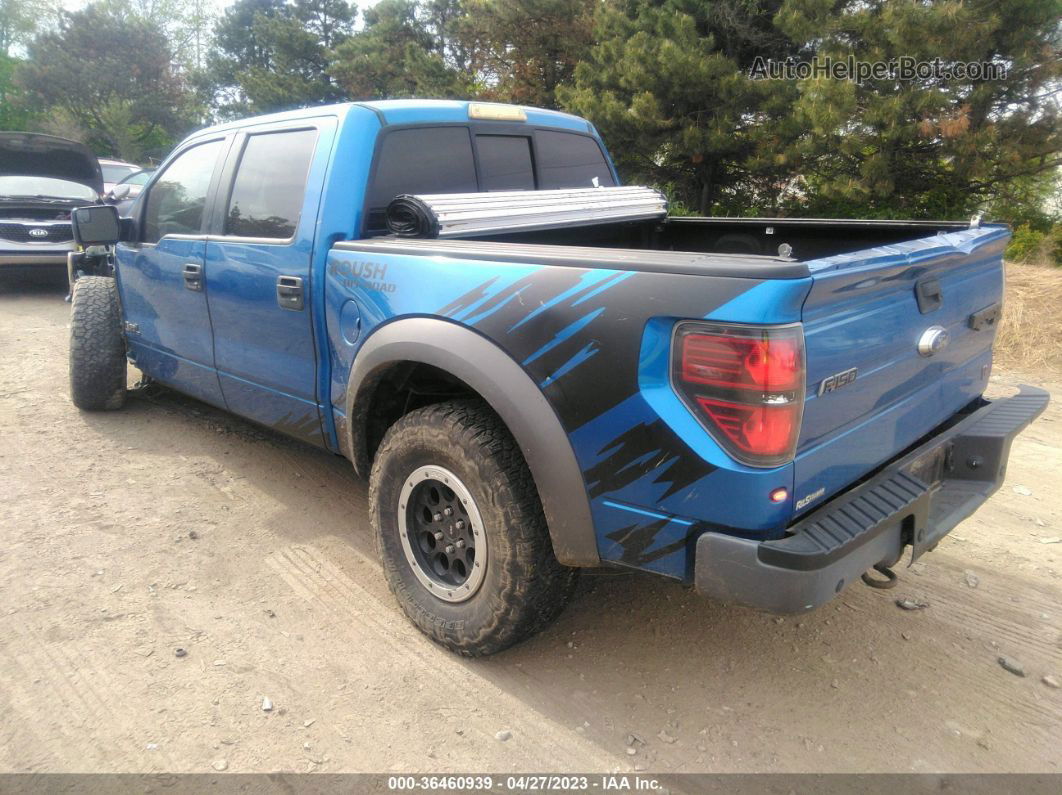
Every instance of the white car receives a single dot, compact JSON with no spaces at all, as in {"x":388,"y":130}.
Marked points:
{"x":114,"y":171}
{"x":42,"y":179}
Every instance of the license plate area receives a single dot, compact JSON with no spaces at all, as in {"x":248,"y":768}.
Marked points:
{"x":918,"y":529}
{"x":931,"y":466}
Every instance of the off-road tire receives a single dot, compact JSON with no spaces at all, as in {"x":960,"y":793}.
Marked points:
{"x":97,"y":348}
{"x":524,"y":587}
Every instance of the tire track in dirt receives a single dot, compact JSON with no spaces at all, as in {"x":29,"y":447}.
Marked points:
{"x":79,"y":695}
{"x":356,"y":613}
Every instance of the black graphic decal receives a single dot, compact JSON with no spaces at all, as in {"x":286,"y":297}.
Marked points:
{"x":635,"y":539}
{"x":675,"y":462}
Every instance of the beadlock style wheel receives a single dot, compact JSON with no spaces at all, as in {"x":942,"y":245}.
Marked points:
{"x":460,"y":530}
{"x":442,"y":533}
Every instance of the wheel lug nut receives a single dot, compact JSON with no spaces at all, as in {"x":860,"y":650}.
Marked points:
{"x":459,"y":524}
{"x":449,"y":549}
{"x":438,"y":535}
{"x":460,"y":544}
{"x":436,"y":517}
{"x":448,"y":511}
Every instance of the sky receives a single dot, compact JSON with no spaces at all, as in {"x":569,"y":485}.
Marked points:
{"x":74,"y":5}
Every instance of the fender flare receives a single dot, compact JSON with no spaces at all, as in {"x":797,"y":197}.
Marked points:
{"x":510,"y":392}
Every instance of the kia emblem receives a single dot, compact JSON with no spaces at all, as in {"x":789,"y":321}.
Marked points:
{"x":38,"y":233}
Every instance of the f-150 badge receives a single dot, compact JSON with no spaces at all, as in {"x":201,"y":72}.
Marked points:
{"x":837,"y":380}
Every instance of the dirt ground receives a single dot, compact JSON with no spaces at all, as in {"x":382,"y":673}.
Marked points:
{"x":170,"y":525}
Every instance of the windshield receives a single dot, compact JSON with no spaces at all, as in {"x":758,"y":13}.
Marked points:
{"x":139,"y":178}
{"x":116,"y":173}
{"x":44,"y":186}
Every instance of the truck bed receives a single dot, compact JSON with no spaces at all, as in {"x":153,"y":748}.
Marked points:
{"x":595,"y":256}
{"x":722,"y":246}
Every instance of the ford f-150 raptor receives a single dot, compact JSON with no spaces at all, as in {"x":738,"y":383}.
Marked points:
{"x":538,"y":370}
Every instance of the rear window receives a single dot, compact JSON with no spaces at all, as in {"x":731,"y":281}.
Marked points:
{"x":505,"y":162}
{"x":270,"y":185}
{"x":426,"y":160}
{"x":117,"y":173}
{"x":567,"y":160}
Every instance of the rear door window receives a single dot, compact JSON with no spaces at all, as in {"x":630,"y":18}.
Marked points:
{"x":270,"y":185}
{"x":505,"y":162}
{"x":567,"y":160}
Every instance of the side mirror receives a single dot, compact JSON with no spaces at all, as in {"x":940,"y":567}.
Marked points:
{"x":120,"y":192}
{"x":96,"y":225}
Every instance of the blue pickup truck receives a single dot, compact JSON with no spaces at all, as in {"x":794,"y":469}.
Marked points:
{"x":767,"y":409}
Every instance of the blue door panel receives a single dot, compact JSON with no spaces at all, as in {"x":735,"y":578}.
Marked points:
{"x":173,"y":340}
{"x":265,"y":353}
{"x":255,"y":339}
{"x":197,"y":380}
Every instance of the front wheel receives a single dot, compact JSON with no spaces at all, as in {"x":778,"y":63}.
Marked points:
{"x":97,"y":347}
{"x":460,"y":531}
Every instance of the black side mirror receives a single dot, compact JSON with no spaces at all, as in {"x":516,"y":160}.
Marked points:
{"x":96,"y":225}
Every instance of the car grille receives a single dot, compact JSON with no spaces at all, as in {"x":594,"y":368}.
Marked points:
{"x":20,"y":233}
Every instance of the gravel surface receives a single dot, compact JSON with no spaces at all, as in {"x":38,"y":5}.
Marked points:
{"x":170,"y":526}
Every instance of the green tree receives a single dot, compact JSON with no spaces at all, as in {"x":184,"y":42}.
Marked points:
{"x":397,"y":54}
{"x":14,"y":112}
{"x":21,"y":20}
{"x":111,"y":74}
{"x":930,"y":146}
{"x":668,"y":85}
{"x":272,"y":54}
{"x":524,"y":49}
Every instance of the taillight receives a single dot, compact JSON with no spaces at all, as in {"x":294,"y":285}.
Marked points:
{"x":745,"y":384}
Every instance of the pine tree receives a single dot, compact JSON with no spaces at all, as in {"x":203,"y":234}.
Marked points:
{"x":668,"y":86}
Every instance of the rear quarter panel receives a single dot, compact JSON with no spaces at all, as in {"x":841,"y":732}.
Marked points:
{"x":596,"y":341}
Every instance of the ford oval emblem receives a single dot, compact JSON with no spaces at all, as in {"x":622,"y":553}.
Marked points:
{"x":38,"y":233}
{"x":933,"y":340}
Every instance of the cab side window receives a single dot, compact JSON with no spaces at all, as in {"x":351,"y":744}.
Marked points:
{"x":270,"y":185}
{"x":177,"y":200}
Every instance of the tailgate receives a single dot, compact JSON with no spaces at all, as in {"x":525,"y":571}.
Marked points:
{"x":870,"y":392}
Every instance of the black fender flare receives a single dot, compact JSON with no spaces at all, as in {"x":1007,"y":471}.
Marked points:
{"x":510,"y":391}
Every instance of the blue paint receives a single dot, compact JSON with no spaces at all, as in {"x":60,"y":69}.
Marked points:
{"x":565,"y":333}
{"x":614,"y":279}
{"x":862,"y":312}
{"x":488,"y":312}
{"x":591,"y":277}
{"x":588,"y":351}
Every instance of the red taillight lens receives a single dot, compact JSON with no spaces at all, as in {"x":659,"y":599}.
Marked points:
{"x":760,"y":430}
{"x":741,"y":362}
{"x":745,"y":384}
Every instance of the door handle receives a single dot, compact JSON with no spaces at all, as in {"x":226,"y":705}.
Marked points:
{"x":193,"y":276}
{"x":289,"y":292}
{"x":929,"y":295}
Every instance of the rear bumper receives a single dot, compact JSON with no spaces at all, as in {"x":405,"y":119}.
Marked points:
{"x":915,"y":500}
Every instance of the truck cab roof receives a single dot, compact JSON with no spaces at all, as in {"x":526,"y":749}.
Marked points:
{"x":409,"y":111}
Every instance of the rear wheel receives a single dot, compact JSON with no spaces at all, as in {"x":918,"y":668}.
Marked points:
{"x":97,"y":348}
{"x":460,"y":531}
